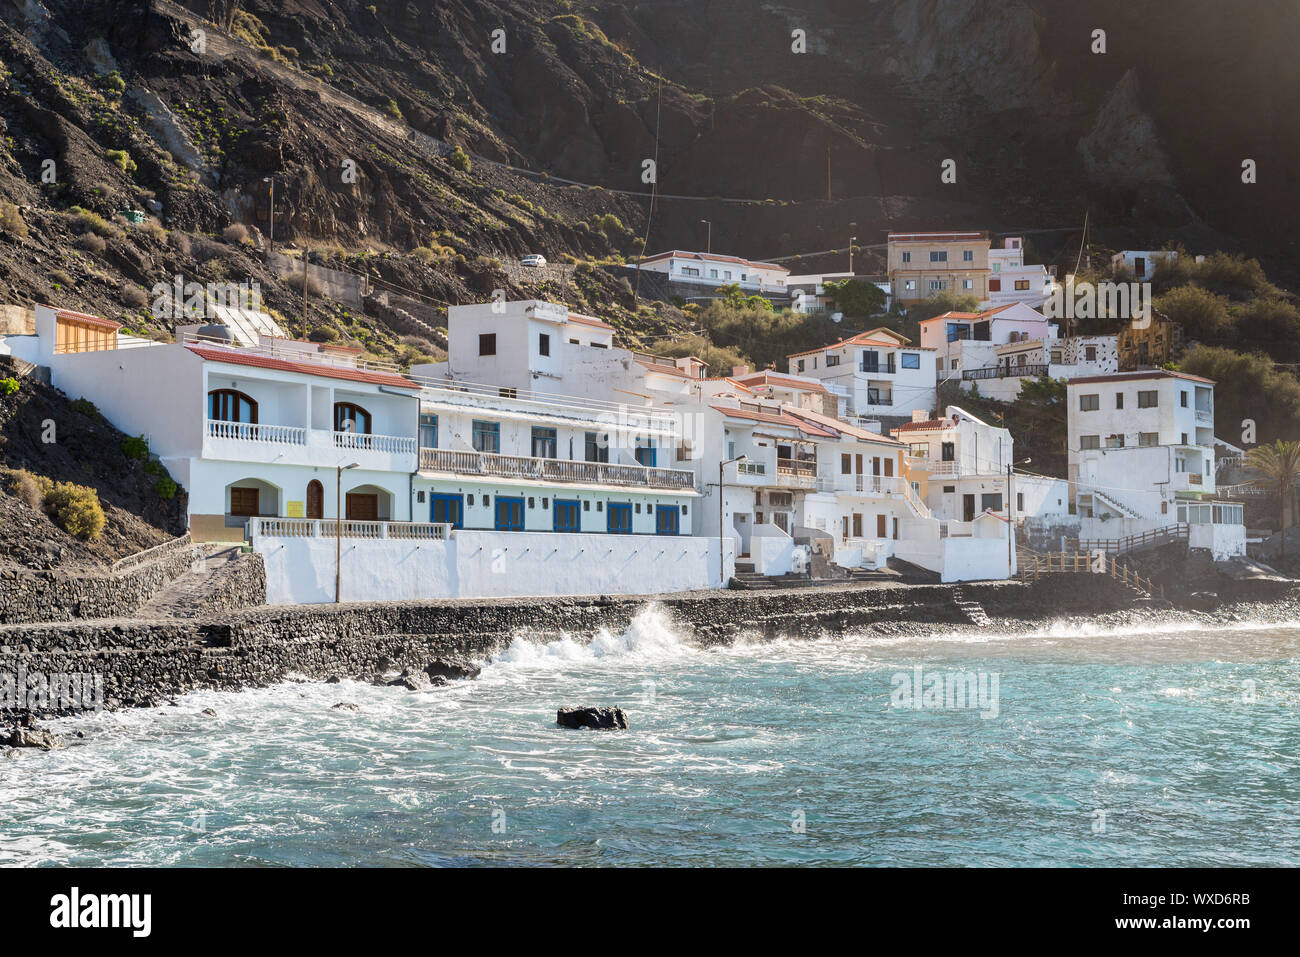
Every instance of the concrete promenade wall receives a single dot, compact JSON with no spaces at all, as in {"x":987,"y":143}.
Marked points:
{"x":483,"y":564}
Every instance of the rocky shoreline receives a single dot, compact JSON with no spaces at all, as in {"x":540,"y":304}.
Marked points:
{"x":419,"y":646}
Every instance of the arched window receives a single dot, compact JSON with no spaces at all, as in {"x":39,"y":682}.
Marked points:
{"x":227,"y":405}
{"x":351,"y":418}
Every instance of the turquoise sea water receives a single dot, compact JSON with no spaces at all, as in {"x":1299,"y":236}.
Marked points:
{"x":1141,"y":746}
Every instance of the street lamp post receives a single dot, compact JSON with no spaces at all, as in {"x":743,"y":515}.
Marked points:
{"x":708,"y":242}
{"x":852,"y":240}
{"x":338,"y":529}
{"x":1011,"y":518}
{"x":722,"y":557}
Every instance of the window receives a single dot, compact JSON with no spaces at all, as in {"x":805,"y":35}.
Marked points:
{"x":666,"y":519}
{"x":487,"y":344}
{"x":1147,"y":439}
{"x":349,"y":417}
{"x":1022,"y":284}
{"x":690,"y":271}
{"x":618,"y":518}
{"x":428,"y":431}
{"x":713,"y":274}
{"x":846,"y":463}
{"x":543,"y":344}
{"x":949,"y":489}
{"x":907,"y":257}
{"x":508,"y":392}
{"x":991,"y":501}
{"x":1090,"y":402}
{"x":832,"y":359}
{"x":1182,"y":399}
{"x":1115,"y":441}
{"x":1119,"y":400}
{"x":1089,"y":442}
{"x":646,"y":455}
{"x":1090,"y":353}
{"x":227,"y":405}
{"x":938,"y":255}
{"x":995,"y":285}
{"x":1184,"y":442}
{"x":316,"y":499}
{"x":910,"y":285}
{"x":968,"y":283}
{"x":968,"y":255}
{"x":243,"y":501}
{"x":566,"y":516}
{"x":446,"y":510}
{"x":1056,"y":356}
{"x":487,"y":436}
{"x":509,"y":514}
{"x":938,"y":284}
{"x":1148,"y":399}
{"x":597,"y":447}
{"x":800,"y":365}
{"x":1020,"y":501}
{"x":948,"y":451}
{"x":543,"y":443}
{"x":684,"y":451}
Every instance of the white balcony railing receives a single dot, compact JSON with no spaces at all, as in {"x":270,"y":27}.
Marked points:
{"x":869,"y":484}
{"x":552,"y":470}
{"x":396,"y":444}
{"x":328,"y":528}
{"x":256,"y":432}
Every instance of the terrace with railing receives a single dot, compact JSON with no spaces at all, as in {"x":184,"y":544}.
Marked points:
{"x":329,"y":528}
{"x":459,"y":462}
{"x":1006,"y":372}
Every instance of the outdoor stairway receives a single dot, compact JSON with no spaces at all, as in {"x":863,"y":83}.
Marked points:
{"x":1078,"y":563}
{"x":1168,"y":534}
{"x":1124,"y":510}
{"x":182,"y":595}
{"x":971,"y":608}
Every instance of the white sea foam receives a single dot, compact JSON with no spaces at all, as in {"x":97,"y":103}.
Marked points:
{"x":649,"y":637}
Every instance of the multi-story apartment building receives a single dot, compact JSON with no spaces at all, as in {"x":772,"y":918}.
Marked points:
{"x":714,"y":269}
{"x":921,"y":265}
{"x":878,"y":373}
{"x":1141,"y":456}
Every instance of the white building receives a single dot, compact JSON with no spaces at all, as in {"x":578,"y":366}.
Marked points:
{"x":1141,"y":457}
{"x":1011,"y":279}
{"x":959,"y":462}
{"x":808,"y":293}
{"x":712,"y":270}
{"x":1140,"y":262}
{"x":996,"y":350}
{"x":876,"y":373}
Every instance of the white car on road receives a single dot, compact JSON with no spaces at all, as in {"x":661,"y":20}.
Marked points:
{"x":533,"y":260}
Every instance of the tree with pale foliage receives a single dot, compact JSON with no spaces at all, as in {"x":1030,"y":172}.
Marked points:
{"x":1279,"y":464}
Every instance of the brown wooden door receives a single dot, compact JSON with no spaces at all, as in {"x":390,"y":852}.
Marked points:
{"x":880,"y":527}
{"x":857,"y":525}
{"x":889,"y":466}
{"x":362,"y":507}
{"x":243,"y":501}
{"x":315,"y":499}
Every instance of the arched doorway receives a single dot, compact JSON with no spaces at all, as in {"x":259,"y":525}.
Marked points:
{"x":368,"y":503}
{"x":315,"y":499}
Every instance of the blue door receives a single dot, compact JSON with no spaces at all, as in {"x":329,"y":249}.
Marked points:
{"x":447,"y":510}
{"x":619,"y":518}
{"x":567,"y":516}
{"x":509,"y":514}
{"x":666,"y":519}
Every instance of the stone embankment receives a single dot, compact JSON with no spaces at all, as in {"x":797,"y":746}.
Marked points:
{"x":145,"y":661}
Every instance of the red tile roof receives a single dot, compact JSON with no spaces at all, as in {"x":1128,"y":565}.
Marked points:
{"x":862,"y":339}
{"x":830,"y":422}
{"x":929,"y":425}
{"x":986,"y":314}
{"x":787,"y":420}
{"x":589,"y":321}
{"x":86,"y":318}
{"x":1130,"y":376}
{"x":238,"y":358}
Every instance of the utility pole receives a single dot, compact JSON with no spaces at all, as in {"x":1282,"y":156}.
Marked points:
{"x":708,"y":242}
{"x":852,"y":240}
{"x":722,"y":556}
{"x":271,"y":181}
{"x":338,"y":529}
{"x":304,"y":289}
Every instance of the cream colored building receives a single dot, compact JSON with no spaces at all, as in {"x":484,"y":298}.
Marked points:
{"x":924,"y":264}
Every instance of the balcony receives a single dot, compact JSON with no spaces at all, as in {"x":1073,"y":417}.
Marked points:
{"x":1032,"y":371}
{"x":1204,"y":417}
{"x":869,"y":484}
{"x":791,"y":474}
{"x":297,"y":445}
{"x":552,"y":470}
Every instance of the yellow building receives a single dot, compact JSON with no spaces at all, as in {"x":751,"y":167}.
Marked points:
{"x":925,"y":264}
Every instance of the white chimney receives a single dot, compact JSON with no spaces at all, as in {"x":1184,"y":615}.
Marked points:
{"x":920,"y":415}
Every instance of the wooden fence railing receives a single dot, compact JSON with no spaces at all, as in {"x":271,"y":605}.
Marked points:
{"x":1082,"y":564}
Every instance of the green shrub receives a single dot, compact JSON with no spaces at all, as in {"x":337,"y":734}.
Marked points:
{"x":153,"y":467}
{"x":88,"y":221}
{"x":85,"y":407}
{"x":113,"y":84}
{"x":122,"y":160}
{"x":75,"y":509}
{"x":135,"y":447}
{"x":8,"y":386}
{"x":25,"y":486}
{"x":460,"y":160}
{"x":1201,"y":313}
{"x":165,"y":487}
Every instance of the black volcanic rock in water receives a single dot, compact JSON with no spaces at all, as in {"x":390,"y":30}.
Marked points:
{"x":451,"y":670}
{"x":597,"y":718}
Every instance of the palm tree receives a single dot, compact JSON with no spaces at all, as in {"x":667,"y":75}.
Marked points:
{"x":1279,"y":464}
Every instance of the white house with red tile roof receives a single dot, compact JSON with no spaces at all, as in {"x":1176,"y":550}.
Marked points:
{"x":875,"y":373}
{"x":714,"y":270}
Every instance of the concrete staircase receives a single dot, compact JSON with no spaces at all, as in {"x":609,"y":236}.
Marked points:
{"x":180,"y":599}
{"x":971,"y":608}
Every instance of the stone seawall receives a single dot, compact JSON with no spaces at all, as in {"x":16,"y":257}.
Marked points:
{"x":32,"y":596}
{"x":144,"y":662}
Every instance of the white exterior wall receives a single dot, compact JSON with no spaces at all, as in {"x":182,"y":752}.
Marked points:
{"x":474,"y":564}
{"x":721,"y":272}
{"x":907,"y":389}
